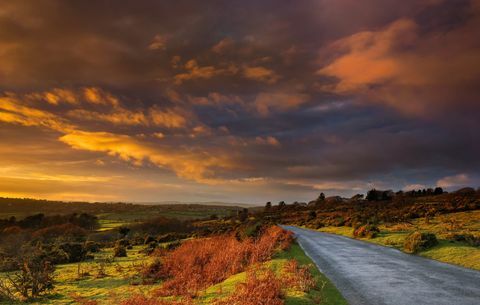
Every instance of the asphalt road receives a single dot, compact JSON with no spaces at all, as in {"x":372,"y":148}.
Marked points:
{"x":368,"y":274}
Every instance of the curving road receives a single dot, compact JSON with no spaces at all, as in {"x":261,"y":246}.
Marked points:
{"x":368,"y":274}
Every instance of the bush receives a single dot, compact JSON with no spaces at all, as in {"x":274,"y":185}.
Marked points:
{"x":368,"y":231}
{"x":298,"y":277}
{"x":418,"y":241}
{"x":67,"y":232}
{"x":469,"y":239}
{"x":120,"y":251}
{"x":34,"y":279}
{"x":92,"y":247}
{"x":149,"y":239}
{"x":197,"y":264}
{"x":75,"y":251}
{"x":261,"y":287}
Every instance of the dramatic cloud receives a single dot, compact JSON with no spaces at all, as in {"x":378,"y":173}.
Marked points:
{"x":197,"y":166}
{"x":405,"y":67}
{"x":220,"y":101}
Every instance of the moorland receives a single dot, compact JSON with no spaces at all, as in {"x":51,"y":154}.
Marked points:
{"x":117,"y":253}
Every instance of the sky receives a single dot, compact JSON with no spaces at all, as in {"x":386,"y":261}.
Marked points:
{"x":237,"y":101}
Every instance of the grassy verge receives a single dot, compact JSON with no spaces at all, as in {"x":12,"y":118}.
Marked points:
{"x":324,"y":293}
{"x":447,"y":251}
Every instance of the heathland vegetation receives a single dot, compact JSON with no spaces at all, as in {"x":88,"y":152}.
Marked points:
{"x":198,"y":254}
{"x":232,"y":256}
{"x":430,"y":223}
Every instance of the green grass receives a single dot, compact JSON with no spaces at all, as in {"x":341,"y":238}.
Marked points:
{"x":116,"y":285}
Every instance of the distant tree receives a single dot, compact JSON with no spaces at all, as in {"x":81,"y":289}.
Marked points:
{"x":372,"y":195}
{"x":242,"y":215}
{"x":312,"y":215}
{"x":438,"y":191}
{"x":321,"y":197}
{"x":282,"y":204}
{"x":268,"y":206}
{"x":123,"y":231}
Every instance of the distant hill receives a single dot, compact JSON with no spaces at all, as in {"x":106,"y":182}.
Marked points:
{"x":25,"y":206}
{"x":209,"y":203}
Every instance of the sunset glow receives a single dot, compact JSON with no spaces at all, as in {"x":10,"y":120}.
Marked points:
{"x":239,"y":101}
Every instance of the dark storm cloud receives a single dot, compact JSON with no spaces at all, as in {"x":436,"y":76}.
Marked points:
{"x":276,"y":95}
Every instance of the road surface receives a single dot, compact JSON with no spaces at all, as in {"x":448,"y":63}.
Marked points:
{"x":368,"y":274}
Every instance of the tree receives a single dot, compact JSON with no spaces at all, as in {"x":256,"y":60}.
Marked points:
{"x":268,"y":206}
{"x":321,"y":197}
{"x":36,"y":277}
{"x":243,"y":215}
{"x":282,"y":204}
{"x":123,"y":231}
{"x":438,"y":191}
{"x":372,"y":195}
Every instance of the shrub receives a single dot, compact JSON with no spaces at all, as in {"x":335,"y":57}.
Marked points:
{"x":149,"y":239}
{"x":75,"y":251}
{"x":298,"y":277}
{"x":56,"y":255}
{"x":467,"y":238}
{"x":92,"y":247}
{"x":65,"y":231}
{"x":261,"y":287}
{"x":368,"y":231}
{"x":122,"y":242}
{"x":34,"y":279}
{"x":197,"y":264}
{"x":418,"y":241}
{"x":152,"y":272}
{"x":120,"y":251}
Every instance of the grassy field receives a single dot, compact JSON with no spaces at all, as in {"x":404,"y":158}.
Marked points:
{"x":121,"y":281}
{"x":110,"y":221}
{"x":459,"y":253}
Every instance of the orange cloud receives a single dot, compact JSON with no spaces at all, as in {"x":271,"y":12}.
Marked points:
{"x":12,"y":111}
{"x":98,"y":96}
{"x":119,"y":116}
{"x":159,"y":42}
{"x":194,"y":71}
{"x":261,"y":74}
{"x":404,"y":68}
{"x":223,"y":45}
{"x":267,"y":141}
{"x":197,"y":166}
{"x":266,"y":102}
{"x":169,"y":118}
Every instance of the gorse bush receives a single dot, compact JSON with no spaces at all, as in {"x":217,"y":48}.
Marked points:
{"x":200,"y":263}
{"x":368,"y":231}
{"x":418,"y":241}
